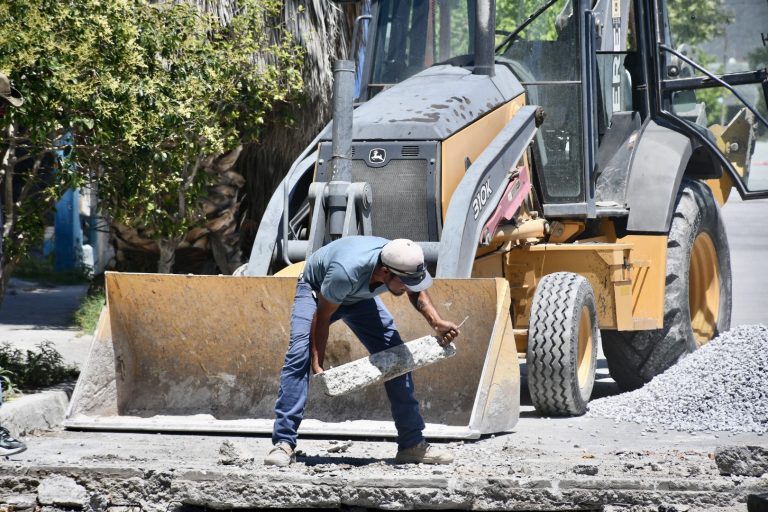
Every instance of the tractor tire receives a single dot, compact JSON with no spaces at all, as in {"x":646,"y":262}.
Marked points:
{"x":697,"y":296}
{"x":563,"y":336}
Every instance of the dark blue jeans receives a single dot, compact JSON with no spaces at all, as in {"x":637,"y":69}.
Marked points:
{"x":374,"y":326}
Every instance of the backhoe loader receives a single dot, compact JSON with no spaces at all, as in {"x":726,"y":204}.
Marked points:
{"x":562,"y":163}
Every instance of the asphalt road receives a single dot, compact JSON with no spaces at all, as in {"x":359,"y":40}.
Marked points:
{"x":32,"y":313}
{"x":746,"y":223}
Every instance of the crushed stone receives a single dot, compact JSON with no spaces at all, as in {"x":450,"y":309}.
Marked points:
{"x":229,"y":455}
{"x":723,"y":386}
{"x":339,"y":447}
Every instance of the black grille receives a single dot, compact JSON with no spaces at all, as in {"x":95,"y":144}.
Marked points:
{"x":399,"y":208}
{"x":410,"y":151}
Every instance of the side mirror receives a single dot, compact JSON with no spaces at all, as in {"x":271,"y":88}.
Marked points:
{"x":677,"y":66}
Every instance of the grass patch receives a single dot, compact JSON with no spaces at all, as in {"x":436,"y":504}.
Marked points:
{"x":87,"y":315}
{"x":41,"y":270}
{"x":33,"y":369}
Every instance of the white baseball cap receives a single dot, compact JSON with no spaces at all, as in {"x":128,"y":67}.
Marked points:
{"x":405,"y":259}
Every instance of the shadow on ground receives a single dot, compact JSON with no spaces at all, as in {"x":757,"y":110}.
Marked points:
{"x":604,"y":387}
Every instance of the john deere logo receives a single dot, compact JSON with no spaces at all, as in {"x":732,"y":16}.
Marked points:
{"x":377,"y":156}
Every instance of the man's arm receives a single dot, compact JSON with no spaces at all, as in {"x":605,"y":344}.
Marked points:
{"x":447,"y":330}
{"x":318,"y":337}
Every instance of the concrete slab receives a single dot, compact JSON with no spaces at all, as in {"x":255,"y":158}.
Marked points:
{"x":382,"y":366}
{"x":536,"y":467}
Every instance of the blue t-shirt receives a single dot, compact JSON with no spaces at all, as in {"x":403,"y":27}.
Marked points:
{"x":341,"y":271}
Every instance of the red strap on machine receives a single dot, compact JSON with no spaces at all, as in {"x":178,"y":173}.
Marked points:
{"x":514,"y":195}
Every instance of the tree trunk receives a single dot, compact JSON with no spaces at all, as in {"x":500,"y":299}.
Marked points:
{"x":222,"y":212}
{"x":7,"y":165}
{"x":227,"y":258}
{"x":167,"y":254}
{"x":7,"y":268}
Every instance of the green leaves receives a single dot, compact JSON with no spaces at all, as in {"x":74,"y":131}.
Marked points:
{"x":693,"y":23}
{"x":146,"y":91}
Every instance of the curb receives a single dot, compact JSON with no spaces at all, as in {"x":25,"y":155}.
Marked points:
{"x":43,"y":410}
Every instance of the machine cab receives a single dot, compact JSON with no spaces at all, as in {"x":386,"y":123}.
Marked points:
{"x":601,"y":70}
{"x":713,"y":84}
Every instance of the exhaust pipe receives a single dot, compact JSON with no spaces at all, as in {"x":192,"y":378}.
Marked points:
{"x":485,"y":32}
{"x":344,"y":207}
{"x":343,"y":90}
{"x":341,"y":145}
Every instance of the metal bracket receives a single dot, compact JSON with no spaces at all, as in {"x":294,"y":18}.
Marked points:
{"x":316,"y":195}
{"x":354,"y":198}
{"x":359,"y":199}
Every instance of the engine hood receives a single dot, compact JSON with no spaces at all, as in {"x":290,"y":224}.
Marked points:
{"x":432,"y":105}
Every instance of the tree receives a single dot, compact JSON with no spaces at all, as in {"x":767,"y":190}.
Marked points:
{"x":693,"y":23}
{"x":512,"y":13}
{"x":47,"y":50}
{"x":322,"y":29}
{"x":147,"y":94}
{"x":209,"y":92}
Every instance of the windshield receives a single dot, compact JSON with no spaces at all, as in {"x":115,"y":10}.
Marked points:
{"x":543,"y":51}
{"x":544,"y":54}
{"x":412,"y":35}
{"x":515,"y":16}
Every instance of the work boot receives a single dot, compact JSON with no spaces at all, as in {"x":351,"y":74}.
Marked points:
{"x":280,"y":455}
{"x":423,"y":453}
{"x":9,"y":445}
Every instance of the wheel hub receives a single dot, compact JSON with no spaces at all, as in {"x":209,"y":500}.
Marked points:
{"x":585,"y":346}
{"x":704,"y":289}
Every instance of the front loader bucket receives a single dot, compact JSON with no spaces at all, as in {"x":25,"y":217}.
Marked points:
{"x":204,"y":353}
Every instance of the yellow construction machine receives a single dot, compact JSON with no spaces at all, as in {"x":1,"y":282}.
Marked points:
{"x":563,"y":169}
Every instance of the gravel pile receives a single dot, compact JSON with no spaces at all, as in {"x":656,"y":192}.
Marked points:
{"x":723,"y":386}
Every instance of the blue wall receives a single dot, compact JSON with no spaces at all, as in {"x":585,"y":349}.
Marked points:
{"x":68,"y":233}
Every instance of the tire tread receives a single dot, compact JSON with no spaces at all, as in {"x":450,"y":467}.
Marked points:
{"x":555,"y":310}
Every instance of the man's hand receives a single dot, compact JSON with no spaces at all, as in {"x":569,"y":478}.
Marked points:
{"x":446,"y":331}
{"x":317,"y":369}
